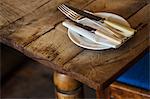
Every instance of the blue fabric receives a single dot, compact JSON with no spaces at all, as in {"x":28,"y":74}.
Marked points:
{"x":139,"y":74}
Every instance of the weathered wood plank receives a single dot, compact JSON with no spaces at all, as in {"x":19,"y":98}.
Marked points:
{"x":109,"y":62}
{"x":94,"y":74}
{"x":109,"y":9}
{"x":56,"y":47}
{"x":143,"y":18}
{"x":58,"y":44}
{"x":3,"y":21}
{"x":119,"y":8}
{"x":31,"y":21}
{"x":11,"y":10}
{"x":36,"y":23}
{"x":65,"y":53}
{"x":128,"y":92}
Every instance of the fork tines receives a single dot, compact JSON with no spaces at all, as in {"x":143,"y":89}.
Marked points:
{"x":68,"y":12}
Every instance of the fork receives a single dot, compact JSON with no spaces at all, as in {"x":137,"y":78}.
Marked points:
{"x":76,"y":17}
{"x":70,"y":13}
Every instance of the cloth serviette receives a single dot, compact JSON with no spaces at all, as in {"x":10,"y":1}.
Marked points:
{"x":87,"y":34}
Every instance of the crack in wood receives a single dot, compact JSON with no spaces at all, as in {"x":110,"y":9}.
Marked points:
{"x":41,"y":5}
{"x":140,"y":26}
{"x":74,"y":56}
{"x":54,"y":24}
{"x":26,"y":44}
{"x":50,"y":55}
{"x":111,"y":60}
{"x":145,"y":4}
{"x":11,"y":28}
{"x":42,"y":34}
{"x":8,"y":10}
{"x":11,"y":22}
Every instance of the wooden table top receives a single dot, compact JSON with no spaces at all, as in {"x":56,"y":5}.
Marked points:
{"x":34,"y":27}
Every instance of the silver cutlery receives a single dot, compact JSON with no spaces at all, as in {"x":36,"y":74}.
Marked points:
{"x":76,"y":14}
{"x":92,"y":30}
{"x":86,"y":32}
{"x":70,"y":13}
{"x":76,"y":17}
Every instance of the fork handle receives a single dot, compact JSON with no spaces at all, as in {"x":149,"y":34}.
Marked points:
{"x":127,"y":31}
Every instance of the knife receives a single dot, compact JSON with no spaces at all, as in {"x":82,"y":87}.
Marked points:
{"x":127,"y":31}
{"x":80,"y":28}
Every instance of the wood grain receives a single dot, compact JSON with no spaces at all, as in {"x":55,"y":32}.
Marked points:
{"x":103,"y":62}
{"x":41,"y":36}
{"x":33,"y":25}
{"x":67,"y":50}
{"x":123,"y":91}
{"x":11,"y":10}
{"x":123,"y":8}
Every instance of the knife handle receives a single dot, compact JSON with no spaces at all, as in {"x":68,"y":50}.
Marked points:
{"x":109,"y":37}
{"x":127,"y":31}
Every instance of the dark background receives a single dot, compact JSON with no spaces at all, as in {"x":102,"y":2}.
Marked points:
{"x":21,"y":77}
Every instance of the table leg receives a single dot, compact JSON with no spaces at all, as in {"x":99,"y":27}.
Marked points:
{"x":66,"y":87}
{"x":103,"y":94}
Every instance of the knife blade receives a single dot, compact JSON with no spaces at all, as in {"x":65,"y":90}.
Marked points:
{"x":127,"y":31}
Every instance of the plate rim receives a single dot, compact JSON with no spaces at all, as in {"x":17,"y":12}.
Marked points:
{"x":96,"y":48}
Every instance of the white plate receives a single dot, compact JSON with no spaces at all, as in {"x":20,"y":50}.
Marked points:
{"x":88,"y":44}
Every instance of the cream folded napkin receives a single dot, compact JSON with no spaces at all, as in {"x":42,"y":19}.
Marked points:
{"x":91,"y":36}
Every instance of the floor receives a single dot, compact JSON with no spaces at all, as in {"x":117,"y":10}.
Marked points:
{"x":33,"y":80}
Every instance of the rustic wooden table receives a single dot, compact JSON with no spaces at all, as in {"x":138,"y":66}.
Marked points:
{"x":34,"y":27}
